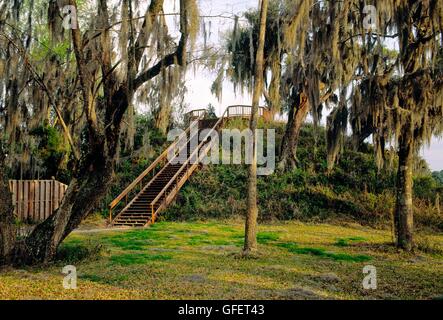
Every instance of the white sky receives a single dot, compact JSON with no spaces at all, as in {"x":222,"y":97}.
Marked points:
{"x":199,"y":83}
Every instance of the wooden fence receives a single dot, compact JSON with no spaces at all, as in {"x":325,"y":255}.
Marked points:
{"x":36,"y":200}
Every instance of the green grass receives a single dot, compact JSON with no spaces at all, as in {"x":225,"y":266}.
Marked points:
{"x":129,"y":259}
{"x":320,"y":252}
{"x":200,"y":260}
{"x":345,"y":242}
{"x":266,"y":237}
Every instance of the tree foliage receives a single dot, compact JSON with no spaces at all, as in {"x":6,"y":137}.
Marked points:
{"x":75,"y":81}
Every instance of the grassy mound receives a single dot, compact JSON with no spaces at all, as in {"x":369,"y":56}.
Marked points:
{"x":355,"y":189}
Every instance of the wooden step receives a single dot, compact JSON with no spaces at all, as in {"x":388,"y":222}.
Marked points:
{"x":134,"y":216}
{"x":131,"y":220}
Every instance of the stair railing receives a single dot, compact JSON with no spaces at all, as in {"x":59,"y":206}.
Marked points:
{"x":138,"y":182}
{"x":244,"y":111}
{"x":185,"y":165}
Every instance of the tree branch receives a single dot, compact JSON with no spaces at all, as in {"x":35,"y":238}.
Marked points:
{"x":167,"y":61}
{"x":38,"y":79}
{"x":143,"y":37}
{"x":178,"y":57}
{"x":85,"y":80}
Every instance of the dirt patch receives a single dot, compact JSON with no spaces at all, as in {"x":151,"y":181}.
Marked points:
{"x":296,"y":293}
{"x":221,"y":248}
{"x":326,"y":278}
{"x":93,"y":222}
{"x":196,"y":278}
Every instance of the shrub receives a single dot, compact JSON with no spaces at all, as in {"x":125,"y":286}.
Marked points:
{"x":426,"y":214}
{"x":72,"y":252}
{"x":426,"y":245}
{"x":426,"y":187}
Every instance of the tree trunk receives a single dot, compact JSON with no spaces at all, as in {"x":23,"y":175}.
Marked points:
{"x":403,"y":217}
{"x":92,"y":180}
{"x":89,"y":185}
{"x":94,"y":171}
{"x":273,"y":99}
{"x":163,"y":117}
{"x":251,"y":218}
{"x":296,"y":118}
{"x":7,"y":227}
{"x":437,"y":203}
{"x":89,"y":188}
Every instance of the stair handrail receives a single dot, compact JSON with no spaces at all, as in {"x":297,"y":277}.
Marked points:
{"x":174,"y":178}
{"x":153,"y":165}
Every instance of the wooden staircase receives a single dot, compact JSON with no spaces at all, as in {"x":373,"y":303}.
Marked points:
{"x":159,"y":184}
{"x":142,"y":209}
{"x":164,"y":179}
{"x":138,"y":213}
